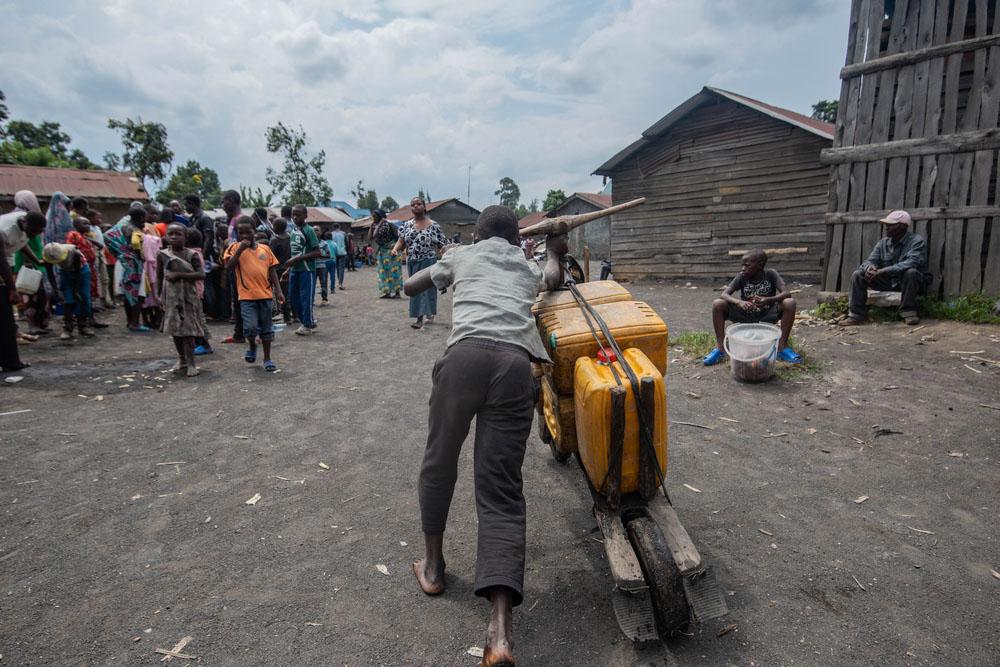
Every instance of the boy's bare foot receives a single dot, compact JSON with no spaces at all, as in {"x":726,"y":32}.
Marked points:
{"x":499,"y":655}
{"x":499,"y":649}
{"x":178,"y":368}
{"x":431,"y":583}
{"x":192,"y":371}
{"x":850,"y":322}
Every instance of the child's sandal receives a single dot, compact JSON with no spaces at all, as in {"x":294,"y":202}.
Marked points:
{"x":250,"y":356}
{"x":270,"y":366}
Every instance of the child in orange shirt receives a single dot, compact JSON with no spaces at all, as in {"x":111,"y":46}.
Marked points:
{"x":256,"y":287}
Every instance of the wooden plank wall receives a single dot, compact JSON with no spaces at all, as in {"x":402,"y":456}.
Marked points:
{"x":913,"y":76}
{"x":725,"y":177}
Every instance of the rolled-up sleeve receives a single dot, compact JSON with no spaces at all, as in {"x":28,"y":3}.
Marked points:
{"x":443,"y":271}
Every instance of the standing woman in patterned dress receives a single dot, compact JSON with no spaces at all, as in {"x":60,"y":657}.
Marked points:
{"x":422,"y":238}
{"x":383,"y":235}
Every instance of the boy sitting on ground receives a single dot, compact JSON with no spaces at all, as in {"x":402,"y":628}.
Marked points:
{"x":485,"y":373}
{"x":756,"y":294}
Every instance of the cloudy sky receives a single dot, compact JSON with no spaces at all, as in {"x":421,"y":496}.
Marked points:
{"x":407,"y":94}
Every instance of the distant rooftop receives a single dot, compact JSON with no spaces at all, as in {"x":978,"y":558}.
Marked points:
{"x":99,"y":184}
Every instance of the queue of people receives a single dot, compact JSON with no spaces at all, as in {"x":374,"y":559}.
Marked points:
{"x":170,"y":269}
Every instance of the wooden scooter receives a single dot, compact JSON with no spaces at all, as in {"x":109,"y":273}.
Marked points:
{"x":661,"y":584}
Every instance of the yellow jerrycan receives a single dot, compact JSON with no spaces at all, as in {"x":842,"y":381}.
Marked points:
{"x":594,"y":384}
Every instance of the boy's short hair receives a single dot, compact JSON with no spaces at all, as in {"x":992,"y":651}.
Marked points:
{"x":280,"y":225}
{"x":757,"y":253}
{"x":193,"y":238}
{"x":34,"y":220}
{"x":79,"y":204}
{"x":244,"y":220}
{"x":286,"y":211}
{"x":497,"y":220}
{"x":194,"y":200}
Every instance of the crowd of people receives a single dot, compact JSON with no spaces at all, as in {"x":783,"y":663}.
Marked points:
{"x":175,"y":268}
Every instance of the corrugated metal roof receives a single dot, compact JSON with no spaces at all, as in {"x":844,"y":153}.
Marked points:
{"x":314,"y":214}
{"x":404,"y":212}
{"x":531,"y":219}
{"x":91,"y":183}
{"x":708,"y":94}
{"x":335,"y":214}
{"x":596,"y":198}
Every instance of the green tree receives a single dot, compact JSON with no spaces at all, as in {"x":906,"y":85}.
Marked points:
{"x":365,"y":198}
{"x":825,"y":110}
{"x":4,"y":114}
{"x":389,"y":204}
{"x":192,"y":179}
{"x":111,"y":161}
{"x":424,"y":195}
{"x":509,"y":193}
{"x":521,"y":210}
{"x":533,"y":206}
{"x":146,"y":151}
{"x":14,"y":152}
{"x":553,"y":200}
{"x":43,"y":145}
{"x":47,"y":134}
{"x":255,"y":198}
{"x":81,"y":161}
{"x":301,"y":179}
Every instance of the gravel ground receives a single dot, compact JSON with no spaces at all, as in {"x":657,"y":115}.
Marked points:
{"x":124,"y":523}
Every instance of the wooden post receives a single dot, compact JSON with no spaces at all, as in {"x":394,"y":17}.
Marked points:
{"x":586,"y":261}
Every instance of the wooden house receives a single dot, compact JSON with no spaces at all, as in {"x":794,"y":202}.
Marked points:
{"x":917,"y":130}
{"x":721,"y":174}
{"x":453,"y":215}
{"x":110,"y":192}
{"x":595,"y":235}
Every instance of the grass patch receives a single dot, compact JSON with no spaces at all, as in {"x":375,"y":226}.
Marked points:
{"x":971,"y":308}
{"x":694,"y":343}
{"x":810,"y":366}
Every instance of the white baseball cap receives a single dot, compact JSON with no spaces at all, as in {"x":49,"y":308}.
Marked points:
{"x":897,"y":217}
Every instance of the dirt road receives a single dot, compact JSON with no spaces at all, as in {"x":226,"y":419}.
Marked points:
{"x":125,"y":525}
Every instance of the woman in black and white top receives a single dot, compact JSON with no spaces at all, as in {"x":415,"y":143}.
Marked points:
{"x":422,"y":238}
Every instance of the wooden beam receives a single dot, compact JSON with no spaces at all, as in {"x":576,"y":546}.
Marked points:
{"x":930,"y":213}
{"x":682,"y":549}
{"x":881,"y":299}
{"x":624,"y":564}
{"x":919,"y":55}
{"x":959,"y":142}
{"x":771,"y":251}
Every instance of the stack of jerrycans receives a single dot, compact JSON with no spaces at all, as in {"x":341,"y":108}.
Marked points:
{"x":578,"y":381}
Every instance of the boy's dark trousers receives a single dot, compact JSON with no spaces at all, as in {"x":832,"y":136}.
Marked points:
{"x":491,"y":381}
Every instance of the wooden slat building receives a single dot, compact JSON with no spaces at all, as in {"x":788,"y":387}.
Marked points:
{"x":721,"y":172}
{"x":917,"y":129}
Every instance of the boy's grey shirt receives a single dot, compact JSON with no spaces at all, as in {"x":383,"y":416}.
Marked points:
{"x":494,"y":289}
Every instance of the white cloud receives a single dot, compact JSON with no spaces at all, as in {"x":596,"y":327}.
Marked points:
{"x":407,"y":93}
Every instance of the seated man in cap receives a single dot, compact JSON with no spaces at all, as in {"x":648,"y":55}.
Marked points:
{"x":898,"y":263}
